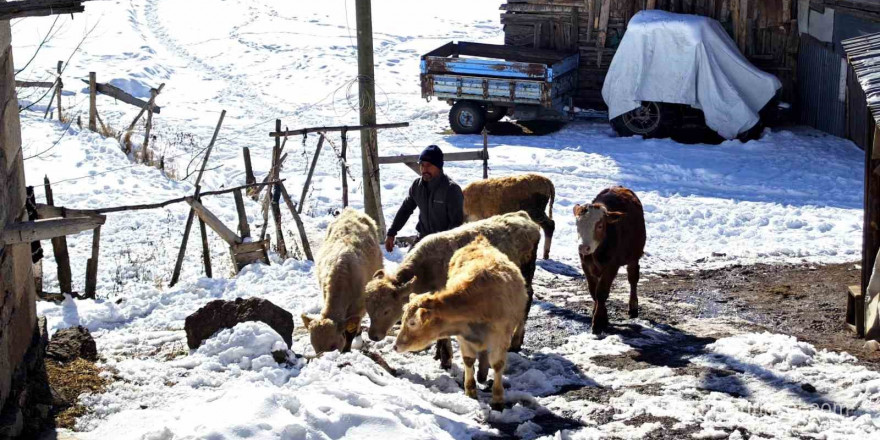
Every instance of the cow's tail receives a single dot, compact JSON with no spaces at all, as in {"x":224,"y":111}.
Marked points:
{"x":552,"y":198}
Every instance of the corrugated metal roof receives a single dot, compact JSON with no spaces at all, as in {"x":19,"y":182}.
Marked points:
{"x":864,"y":55}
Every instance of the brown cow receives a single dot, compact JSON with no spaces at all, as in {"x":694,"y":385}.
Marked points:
{"x":348,"y":257}
{"x":425,"y":268}
{"x":612,"y":234}
{"x":500,"y":195}
{"x":482,"y":305}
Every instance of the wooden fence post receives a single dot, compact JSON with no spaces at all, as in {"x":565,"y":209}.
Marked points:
{"x":276,"y":195}
{"x":59,"y":248}
{"x":344,"y":169}
{"x":248,"y":168}
{"x":92,"y":265}
{"x":93,"y":95}
{"x":302,"y":198}
{"x":485,"y":153}
{"x":59,"y":89}
{"x":243,"y":229}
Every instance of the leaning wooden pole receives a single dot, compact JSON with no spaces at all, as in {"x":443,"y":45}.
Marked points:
{"x":175,"y":276}
{"x":92,"y":265}
{"x":305,"y":191}
{"x":307,"y":249}
{"x":344,"y":169}
{"x":59,"y":88}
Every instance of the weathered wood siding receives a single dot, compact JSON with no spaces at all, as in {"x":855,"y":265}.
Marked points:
{"x":765,"y":31}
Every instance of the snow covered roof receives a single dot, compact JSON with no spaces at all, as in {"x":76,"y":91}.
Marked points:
{"x":864,"y":55}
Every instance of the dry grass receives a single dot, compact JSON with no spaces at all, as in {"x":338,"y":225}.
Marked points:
{"x":70,"y":380}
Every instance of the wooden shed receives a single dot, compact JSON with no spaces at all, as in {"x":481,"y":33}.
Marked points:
{"x":765,"y":30}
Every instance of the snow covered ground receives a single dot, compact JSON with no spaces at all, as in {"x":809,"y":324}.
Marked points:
{"x":792,"y":196}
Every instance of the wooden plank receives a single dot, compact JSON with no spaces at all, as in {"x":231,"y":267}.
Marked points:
{"x":485,"y":153}
{"x":448,"y":157}
{"x":652,"y":4}
{"x":211,"y":220}
{"x":26,"y":232}
{"x":301,"y":131}
{"x":39,"y":8}
{"x":117,"y":93}
{"x":243,"y":227}
{"x":251,"y":246}
{"x":603,"y":28}
{"x":42,"y":84}
{"x":591,"y":18}
{"x":59,"y":248}
{"x":743,"y":25}
{"x":93,"y":110}
{"x":92,"y":265}
{"x":305,"y":191}
{"x":307,"y":249}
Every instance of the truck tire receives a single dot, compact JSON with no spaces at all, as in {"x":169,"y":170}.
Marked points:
{"x":467,"y":117}
{"x":651,"y":120}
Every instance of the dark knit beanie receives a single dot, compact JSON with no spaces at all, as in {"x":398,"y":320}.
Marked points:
{"x":432,"y":155}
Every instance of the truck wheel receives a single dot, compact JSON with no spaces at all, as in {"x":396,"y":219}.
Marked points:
{"x":467,"y":117}
{"x":495,"y":114}
{"x":651,"y":120}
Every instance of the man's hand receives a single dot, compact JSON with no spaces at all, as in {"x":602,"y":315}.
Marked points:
{"x":389,"y":243}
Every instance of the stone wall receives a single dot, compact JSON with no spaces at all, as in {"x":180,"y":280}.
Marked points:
{"x":17,"y":296}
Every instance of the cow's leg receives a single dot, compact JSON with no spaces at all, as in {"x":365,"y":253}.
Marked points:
{"x":603,"y":288}
{"x":349,"y":336}
{"x":538,"y":215}
{"x":483,"y":367}
{"x":499,"y":362}
{"x":549,"y":227}
{"x":469,"y":356}
{"x":444,"y":353}
{"x":632,"y":274}
{"x":528,"y":272}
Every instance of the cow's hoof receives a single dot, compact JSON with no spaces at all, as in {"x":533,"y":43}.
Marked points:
{"x":633,"y":313}
{"x":547,"y":255}
{"x":482,"y":376}
{"x":472,"y":393}
{"x":513,"y":349}
{"x":497,"y":406}
{"x":446,"y":364}
{"x":598,"y":329}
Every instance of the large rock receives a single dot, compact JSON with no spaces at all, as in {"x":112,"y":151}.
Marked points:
{"x":220,"y":314}
{"x":71,"y":343}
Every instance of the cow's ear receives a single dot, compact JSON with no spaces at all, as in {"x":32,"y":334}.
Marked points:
{"x":407,"y":287}
{"x":576,"y":209}
{"x":306,"y":319}
{"x":379,"y":274}
{"x":614,"y":216}
{"x":424,"y":314}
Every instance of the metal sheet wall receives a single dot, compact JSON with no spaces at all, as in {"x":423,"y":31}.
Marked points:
{"x":821,"y":87}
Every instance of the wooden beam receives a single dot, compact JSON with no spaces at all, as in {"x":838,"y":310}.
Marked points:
{"x":300,"y":131}
{"x":93,"y":101}
{"x":26,"y":232}
{"x":116,"y":92}
{"x":92,"y":265}
{"x":59,"y":247}
{"x":211,"y":220}
{"x":39,"y":8}
{"x":280,"y":246}
{"x":43,"y":84}
{"x":149,"y":104}
{"x":243,"y":227}
{"x":448,"y":157}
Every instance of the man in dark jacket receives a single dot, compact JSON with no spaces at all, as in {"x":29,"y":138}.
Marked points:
{"x":438,"y":198}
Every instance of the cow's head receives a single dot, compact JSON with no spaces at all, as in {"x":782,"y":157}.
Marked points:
{"x":592,"y":224}
{"x":419,"y":326}
{"x":385,"y":297}
{"x":327,"y":335}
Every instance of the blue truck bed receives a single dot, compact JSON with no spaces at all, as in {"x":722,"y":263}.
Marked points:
{"x":498,"y":74}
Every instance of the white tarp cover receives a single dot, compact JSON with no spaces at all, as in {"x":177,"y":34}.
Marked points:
{"x":687,"y":59}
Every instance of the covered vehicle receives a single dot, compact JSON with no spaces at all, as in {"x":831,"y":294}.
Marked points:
{"x":666,"y":61}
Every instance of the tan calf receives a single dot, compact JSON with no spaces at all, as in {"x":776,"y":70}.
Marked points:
{"x":425,"y":268}
{"x":500,"y":195}
{"x":482,"y":305}
{"x":344,"y":264}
